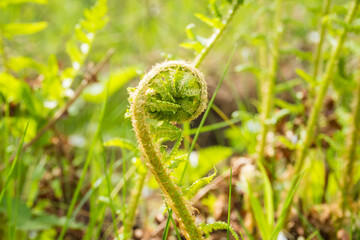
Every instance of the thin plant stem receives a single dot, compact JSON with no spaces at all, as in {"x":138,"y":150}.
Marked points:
{"x":108,"y":187}
{"x":216,"y":35}
{"x":207,"y":111}
{"x":327,"y":4}
{"x":268,"y":84}
{"x":263,"y":58}
{"x":353,"y":142}
{"x":314,"y":115}
{"x":14,"y":163}
{"x":229,"y":205}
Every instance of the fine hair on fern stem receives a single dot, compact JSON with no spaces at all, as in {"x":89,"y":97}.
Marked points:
{"x":172,"y":92}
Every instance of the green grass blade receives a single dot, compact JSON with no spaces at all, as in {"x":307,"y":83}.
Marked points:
{"x":229,"y":206}
{"x":269,"y":196}
{"x":175,"y":228}
{"x":280,"y":223}
{"x":108,"y":185}
{"x":208,"y":110}
{"x":83,"y":174}
{"x":167,"y":226}
{"x":258,"y":214}
{"x":247,"y":232}
{"x":16,"y":159}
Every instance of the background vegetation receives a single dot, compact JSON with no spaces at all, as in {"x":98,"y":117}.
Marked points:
{"x":285,"y":120}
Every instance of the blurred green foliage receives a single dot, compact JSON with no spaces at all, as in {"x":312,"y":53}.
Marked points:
{"x":49,"y":47}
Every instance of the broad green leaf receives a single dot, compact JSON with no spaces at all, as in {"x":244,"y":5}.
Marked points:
{"x":13,"y":29}
{"x":96,"y":92}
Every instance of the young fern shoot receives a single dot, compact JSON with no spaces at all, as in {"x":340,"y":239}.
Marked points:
{"x":172,"y":92}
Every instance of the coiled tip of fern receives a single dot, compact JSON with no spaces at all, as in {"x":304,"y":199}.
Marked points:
{"x":174,"y":91}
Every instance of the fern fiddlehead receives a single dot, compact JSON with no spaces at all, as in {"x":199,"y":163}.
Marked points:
{"x":173,"y":92}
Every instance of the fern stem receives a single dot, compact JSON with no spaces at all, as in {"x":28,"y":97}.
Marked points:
{"x":150,"y":151}
{"x":353,"y":139}
{"x":153,"y":156}
{"x":321,"y":41}
{"x":216,"y":35}
{"x":269,"y":84}
{"x":309,"y":134}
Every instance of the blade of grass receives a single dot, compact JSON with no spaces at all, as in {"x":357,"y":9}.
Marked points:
{"x":247,"y":232}
{"x":108,"y":187}
{"x":259,"y":215}
{"x":229,"y":206}
{"x":83,"y":173}
{"x":311,"y":236}
{"x":166,"y":229}
{"x":175,"y":228}
{"x":14,"y":163}
{"x":208,"y":110}
{"x":13,"y":212}
{"x":269,"y":195}
{"x":215,"y":126}
{"x":107,"y":176}
{"x":308,"y":224}
{"x":288,"y":200}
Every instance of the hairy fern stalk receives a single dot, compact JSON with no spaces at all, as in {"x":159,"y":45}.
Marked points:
{"x":173,"y":92}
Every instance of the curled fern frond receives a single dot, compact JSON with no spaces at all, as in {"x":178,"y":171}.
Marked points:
{"x":199,"y":184}
{"x":175,"y":92}
{"x":210,"y":227}
{"x":171,"y":92}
